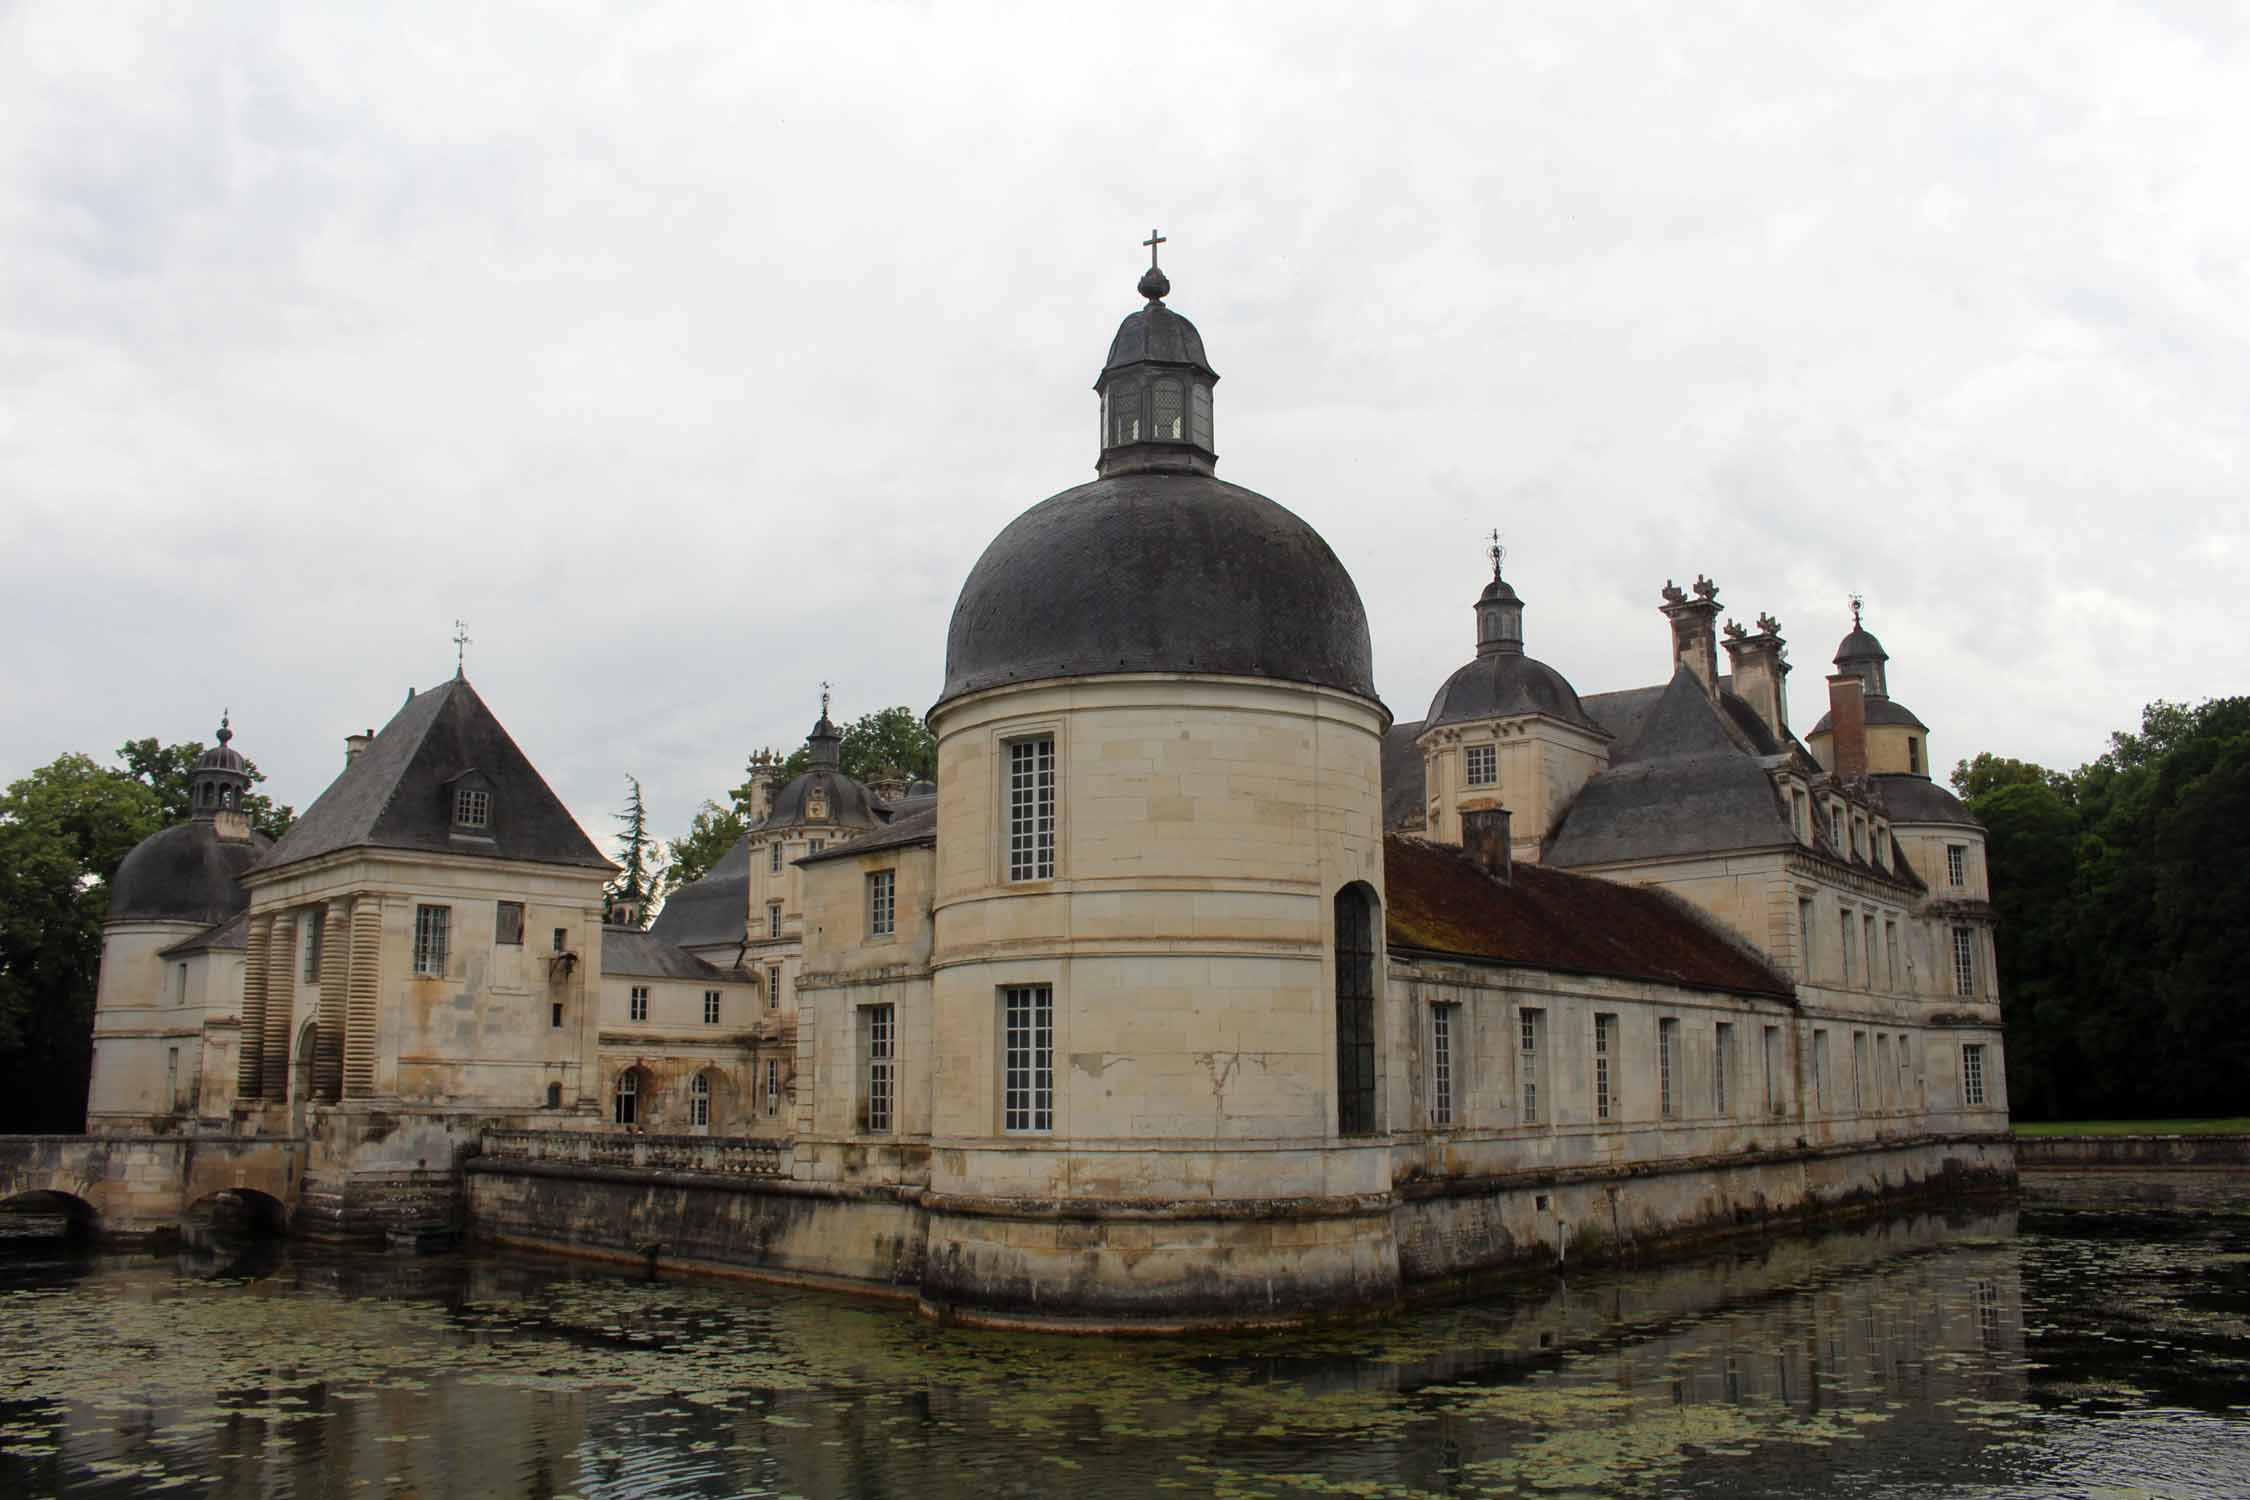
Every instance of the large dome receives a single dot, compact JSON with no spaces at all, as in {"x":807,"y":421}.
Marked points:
{"x":1158,"y":571}
{"x":186,"y":873}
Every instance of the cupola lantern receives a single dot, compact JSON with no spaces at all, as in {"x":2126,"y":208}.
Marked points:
{"x":1499,"y":610}
{"x":1155,"y":388}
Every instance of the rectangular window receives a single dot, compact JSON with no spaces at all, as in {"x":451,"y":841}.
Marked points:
{"x":1905,"y":1073}
{"x":171,"y":1079}
{"x":877,"y":1032}
{"x":1031,"y":809}
{"x":431,"y":925}
{"x":773,"y":1088}
{"x":1913,"y":755}
{"x":1882,"y":1066}
{"x":710,"y":1007}
{"x":1836,"y":826}
{"x":472,"y":808}
{"x":1964,"y":961}
{"x":773,"y":857}
{"x":1957,"y":864}
{"x":1820,"y":1072}
{"x":1882,"y":840}
{"x":507,"y":924}
{"x":179,"y":984}
{"x":639,"y":1003}
{"x":1890,"y":954}
{"x":1859,"y":1071}
{"x":814,"y":846}
{"x":1484,"y":765}
{"x":1972,"y":1074}
{"x":773,"y":919}
{"x":1442,"y":1019}
{"x":1799,"y":816}
{"x":882,"y":903}
{"x":1722,"y":1062}
{"x":1845,"y":918}
{"x":555,"y":1017}
{"x":1859,"y":837}
{"x":1804,"y":932}
{"x":1605,"y":1052}
{"x":1867,"y":949}
{"x":773,"y":987}
{"x":562,"y":940}
{"x":1773,"y":1071}
{"x":1667,"y":1043}
{"x":1028,"y":1084}
{"x":1529,"y":1024}
{"x":316,"y":930}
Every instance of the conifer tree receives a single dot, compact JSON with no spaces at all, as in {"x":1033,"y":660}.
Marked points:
{"x":642,"y":857}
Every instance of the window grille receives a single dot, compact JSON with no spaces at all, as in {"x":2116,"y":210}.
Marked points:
{"x":1166,"y":401}
{"x":507,"y":924}
{"x":1956,"y":864}
{"x":1972,"y":1074}
{"x":773,"y":1087}
{"x":773,"y":987}
{"x":628,"y":1105}
{"x":1031,"y":809}
{"x":882,"y":903}
{"x":711,"y":1007}
{"x":1605,"y":1047}
{"x":1441,"y":1065}
{"x":1529,"y":1023}
{"x":1964,"y":961}
{"x":1125,"y":417}
{"x":814,"y":846}
{"x":316,"y":929}
{"x":472,"y":808}
{"x":639,"y":1003}
{"x":1484,"y":765}
{"x":1667,"y":1041}
{"x":879,"y":1023}
{"x":1199,"y":405}
{"x":1836,"y":827}
{"x":562,"y":940}
{"x":431,"y":924}
{"x":1355,"y":1012}
{"x":1722,"y":1058}
{"x":699,"y":1101}
{"x":1028,"y":1089}
{"x":773,"y":857}
{"x":773,"y":919}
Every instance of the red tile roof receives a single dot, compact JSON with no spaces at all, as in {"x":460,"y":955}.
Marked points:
{"x":1443,"y":901}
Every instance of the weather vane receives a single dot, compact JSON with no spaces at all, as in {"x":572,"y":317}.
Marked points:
{"x":824,"y":699}
{"x":1496,"y":552}
{"x":1855,"y":611}
{"x":460,"y":647}
{"x":1154,"y":239}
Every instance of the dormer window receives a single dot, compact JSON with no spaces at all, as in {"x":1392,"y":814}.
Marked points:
{"x":472,"y":808}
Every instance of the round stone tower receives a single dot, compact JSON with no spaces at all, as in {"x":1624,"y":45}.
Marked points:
{"x":1159,"y":1073}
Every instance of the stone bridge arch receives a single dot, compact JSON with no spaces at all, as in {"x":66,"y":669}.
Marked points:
{"x":139,"y":1186}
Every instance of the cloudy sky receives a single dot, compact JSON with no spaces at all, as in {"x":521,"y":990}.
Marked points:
{"x":692,"y":353}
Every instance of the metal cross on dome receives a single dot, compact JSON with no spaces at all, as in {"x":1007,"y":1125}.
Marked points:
{"x":1496,"y":552}
{"x":460,"y":647}
{"x":1856,"y":601}
{"x":1154,"y":239}
{"x":824,"y":699}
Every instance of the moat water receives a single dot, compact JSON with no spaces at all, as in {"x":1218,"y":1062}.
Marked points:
{"x":2090,"y":1339}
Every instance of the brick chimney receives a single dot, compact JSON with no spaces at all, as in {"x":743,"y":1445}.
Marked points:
{"x":1760,"y":664}
{"x":1847,"y":726}
{"x":1695,"y":630}
{"x":1484,"y":838}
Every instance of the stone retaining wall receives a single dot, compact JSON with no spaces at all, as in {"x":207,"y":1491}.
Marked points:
{"x":2078,"y":1152}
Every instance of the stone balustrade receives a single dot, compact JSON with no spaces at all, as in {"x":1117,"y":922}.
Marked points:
{"x":725,"y":1156}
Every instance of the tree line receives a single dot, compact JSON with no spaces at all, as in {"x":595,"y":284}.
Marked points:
{"x":2124,"y":916}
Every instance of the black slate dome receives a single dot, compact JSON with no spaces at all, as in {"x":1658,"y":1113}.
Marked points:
{"x":1860,"y":645}
{"x":1158,"y":571}
{"x":1495,"y":686}
{"x":186,"y":873}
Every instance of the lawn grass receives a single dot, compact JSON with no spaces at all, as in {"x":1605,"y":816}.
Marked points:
{"x":2239,"y":1126}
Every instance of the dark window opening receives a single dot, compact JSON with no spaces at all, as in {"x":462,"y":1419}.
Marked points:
{"x":1355,"y":1012}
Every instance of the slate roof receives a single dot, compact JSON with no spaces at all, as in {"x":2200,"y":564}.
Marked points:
{"x":1155,"y":332}
{"x":1443,"y":901}
{"x":900,"y":833}
{"x":1506,"y":682}
{"x":1406,"y":787}
{"x":850,"y":803}
{"x":230,"y":934}
{"x":398,"y":793}
{"x":1880,"y":710}
{"x":713,"y":910}
{"x":1684,"y":785}
{"x":645,"y":955}
{"x":1158,"y":572}
{"x":185,"y":873}
{"x":1917,"y":799}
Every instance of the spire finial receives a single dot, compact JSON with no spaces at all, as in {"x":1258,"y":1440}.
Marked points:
{"x":1496,"y":552}
{"x":225,"y":732}
{"x":1856,"y":602}
{"x":824,"y":688}
{"x":460,"y":648}
{"x":1154,"y":283}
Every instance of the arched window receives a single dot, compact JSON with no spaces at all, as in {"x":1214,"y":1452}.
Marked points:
{"x":699,"y":1101}
{"x":1166,"y":403}
{"x":1355,"y":1011}
{"x":629,"y":1097}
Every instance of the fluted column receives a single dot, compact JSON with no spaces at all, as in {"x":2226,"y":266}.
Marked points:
{"x":281,"y":996}
{"x":335,"y":971}
{"x":362,"y":996}
{"x":249,"y":1068}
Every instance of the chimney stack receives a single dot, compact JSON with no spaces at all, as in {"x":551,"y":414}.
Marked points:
{"x":355,"y":745}
{"x":765,"y":776}
{"x":1847,"y":726}
{"x":888,"y":784}
{"x":1484,"y":838}
{"x":1760,"y":664}
{"x":1695,"y":633}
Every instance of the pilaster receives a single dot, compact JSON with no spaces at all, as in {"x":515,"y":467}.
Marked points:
{"x":335,"y":974}
{"x":281,"y":983}
{"x":249,"y":1076}
{"x":362,"y":994}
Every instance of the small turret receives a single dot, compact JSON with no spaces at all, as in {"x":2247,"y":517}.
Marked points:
{"x":1156,"y":388}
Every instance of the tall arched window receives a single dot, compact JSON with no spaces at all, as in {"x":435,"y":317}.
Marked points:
{"x":1355,"y":1011}
{"x":629,"y":1097}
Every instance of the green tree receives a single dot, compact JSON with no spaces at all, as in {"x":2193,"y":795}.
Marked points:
{"x":166,"y":769}
{"x":1988,"y":772}
{"x":640,"y":880}
{"x":711,"y":833}
{"x":63,"y":831}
